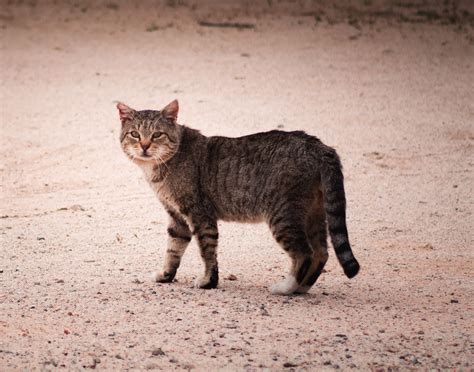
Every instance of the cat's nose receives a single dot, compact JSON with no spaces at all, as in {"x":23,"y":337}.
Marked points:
{"x":145,"y":146}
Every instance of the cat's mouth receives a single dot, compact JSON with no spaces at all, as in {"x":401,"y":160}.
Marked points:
{"x":143,"y":156}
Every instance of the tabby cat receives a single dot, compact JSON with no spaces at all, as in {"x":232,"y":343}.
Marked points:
{"x":290,"y":180}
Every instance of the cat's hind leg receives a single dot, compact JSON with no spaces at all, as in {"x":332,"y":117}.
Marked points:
{"x":292,"y":237}
{"x":317,"y":235}
{"x":319,"y":259}
{"x":179,"y":236}
{"x":300,"y":263}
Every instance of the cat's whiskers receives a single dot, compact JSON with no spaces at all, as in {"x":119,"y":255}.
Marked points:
{"x":163,"y":162}
{"x":130,"y":154}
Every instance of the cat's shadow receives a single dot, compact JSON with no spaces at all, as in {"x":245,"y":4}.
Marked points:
{"x":335,"y":293}
{"x":231,"y":290}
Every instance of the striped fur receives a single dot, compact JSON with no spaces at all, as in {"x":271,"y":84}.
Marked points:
{"x":291,"y":180}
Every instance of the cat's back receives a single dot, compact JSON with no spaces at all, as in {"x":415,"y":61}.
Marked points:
{"x":242,"y":175}
{"x":269,"y":136}
{"x":268,"y":147}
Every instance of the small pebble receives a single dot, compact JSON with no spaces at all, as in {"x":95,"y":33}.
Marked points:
{"x":158,"y":352}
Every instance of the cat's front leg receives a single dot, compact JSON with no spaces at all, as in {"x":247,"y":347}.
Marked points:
{"x":207,"y":236}
{"x":179,"y":236}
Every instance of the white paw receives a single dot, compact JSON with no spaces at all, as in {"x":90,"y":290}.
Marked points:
{"x":197,"y":281}
{"x":160,"y":277}
{"x":200,"y":282}
{"x":303,"y":289}
{"x":156,"y":276}
{"x":286,"y":287}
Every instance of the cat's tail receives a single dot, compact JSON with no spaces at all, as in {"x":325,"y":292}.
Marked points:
{"x":334,"y":197}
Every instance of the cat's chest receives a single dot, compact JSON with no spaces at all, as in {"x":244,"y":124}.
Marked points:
{"x":149,"y":171}
{"x":156,"y":180}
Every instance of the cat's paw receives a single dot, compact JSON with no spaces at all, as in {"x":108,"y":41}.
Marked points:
{"x":163,"y":277}
{"x":302,"y":289}
{"x":286,"y":287}
{"x":205,"y":283}
{"x":208,"y":281}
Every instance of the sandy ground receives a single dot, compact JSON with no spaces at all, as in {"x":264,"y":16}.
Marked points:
{"x":81,"y":231}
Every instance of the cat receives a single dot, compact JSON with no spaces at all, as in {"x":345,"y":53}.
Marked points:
{"x":290,"y":180}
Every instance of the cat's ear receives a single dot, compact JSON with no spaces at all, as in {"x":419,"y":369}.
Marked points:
{"x":171,"y":110}
{"x":125,"y":112}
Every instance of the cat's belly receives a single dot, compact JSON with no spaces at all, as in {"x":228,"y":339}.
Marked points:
{"x":238,"y":206}
{"x":243,"y":218}
{"x":240,"y":213}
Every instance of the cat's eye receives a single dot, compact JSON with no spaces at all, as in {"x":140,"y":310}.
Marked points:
{"x":156,"y":135}
{"x":135,"y":134}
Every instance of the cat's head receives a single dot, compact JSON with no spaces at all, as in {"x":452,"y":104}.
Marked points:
{"x":150,"y":136}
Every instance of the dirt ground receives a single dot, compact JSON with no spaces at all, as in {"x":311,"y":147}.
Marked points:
{"x":81,"y":232}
